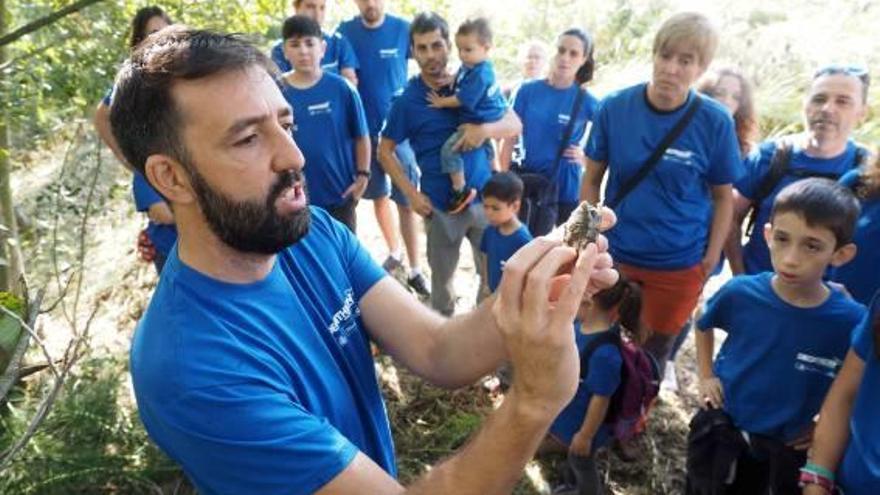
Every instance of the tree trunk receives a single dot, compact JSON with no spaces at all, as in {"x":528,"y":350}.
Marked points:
{"x":10,"y":252}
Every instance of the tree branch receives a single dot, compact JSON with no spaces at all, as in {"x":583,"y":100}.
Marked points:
{"x":45,"y":21}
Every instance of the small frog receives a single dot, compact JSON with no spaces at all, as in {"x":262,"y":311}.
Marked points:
{"x":582,"y":227}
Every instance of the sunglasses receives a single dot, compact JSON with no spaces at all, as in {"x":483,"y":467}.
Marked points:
{"x":856,"y":71}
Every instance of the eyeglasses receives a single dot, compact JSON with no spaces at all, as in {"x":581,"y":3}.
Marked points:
{"x":857,"y":71}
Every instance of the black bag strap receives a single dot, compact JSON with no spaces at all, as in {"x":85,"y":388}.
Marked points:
{"x":652,"y":160}
{"x":610,"y":337}
{"x":566,"y":134}
{"x":780,"y":166}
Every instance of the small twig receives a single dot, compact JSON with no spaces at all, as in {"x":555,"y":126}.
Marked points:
{"x":33,"y":335}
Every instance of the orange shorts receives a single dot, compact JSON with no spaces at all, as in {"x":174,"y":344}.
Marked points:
{"x":668,"y":296}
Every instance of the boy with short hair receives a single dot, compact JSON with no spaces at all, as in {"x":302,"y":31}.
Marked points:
{"x":478,"y":98}
{"x":505,"y":234}
{"x":329,"y":123}
{"x":787,"y":334}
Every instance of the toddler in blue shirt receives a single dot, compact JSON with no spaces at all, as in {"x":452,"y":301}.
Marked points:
{"x":478,"y":98}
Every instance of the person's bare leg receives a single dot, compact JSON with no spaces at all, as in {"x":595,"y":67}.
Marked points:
{"x":385,"y":219}
{"x":410,"y":236}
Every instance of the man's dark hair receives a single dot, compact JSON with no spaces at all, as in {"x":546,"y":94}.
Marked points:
{"x":504,"y":186}
{"x":585,"y":71}
{"x":139,"y":23}
{"x":300,"y":26}
{"x":143,"y":116}
{"x":478,"y":26}
{"x":821,"y":203}
{"x":428,"y":22}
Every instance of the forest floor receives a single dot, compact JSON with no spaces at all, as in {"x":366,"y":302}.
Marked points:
{"x":428,"y":423}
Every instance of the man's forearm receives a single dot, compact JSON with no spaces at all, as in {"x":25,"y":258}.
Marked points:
{"x":505,"y":156}
{"x":392,"y":166}
{"x":362,"y":154}
{"x":493,"y":461}
{"x":592,"y":182}
{"x":509,"y":126}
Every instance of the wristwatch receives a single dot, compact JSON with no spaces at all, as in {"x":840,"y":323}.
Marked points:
{"x":365,"y":173}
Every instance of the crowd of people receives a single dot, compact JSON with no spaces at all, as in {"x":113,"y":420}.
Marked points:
{"x":252,"y":366}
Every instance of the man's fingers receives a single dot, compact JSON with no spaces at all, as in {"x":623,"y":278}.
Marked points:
{"x":517,"y":267}
{"x":609,"y":218}
{"x":570,"y":299}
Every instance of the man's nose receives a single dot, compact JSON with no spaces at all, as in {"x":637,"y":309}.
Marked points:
{"x":288,"y":155}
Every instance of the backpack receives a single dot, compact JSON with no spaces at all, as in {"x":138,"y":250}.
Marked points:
{"x":639,"y":384}
{"x":780,"y":166}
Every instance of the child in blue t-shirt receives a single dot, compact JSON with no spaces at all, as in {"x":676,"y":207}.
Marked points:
{"x":478,"y":97}
{"x":847,"y":437}
{"x":330,"y":126}
{"x":580,"y":428}
{"x":787,"y":335}
{"x":505,"y":234}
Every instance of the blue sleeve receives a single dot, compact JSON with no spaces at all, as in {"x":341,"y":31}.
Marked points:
{"x":850,"y":179}
{"x":347,"y":57}
{"x":254,"y":440}
{"x":278,"y":57}
{"x":357,"y":117}
{"x":395,"y":127}
{"x":363,"y":271}
{"x":863,"y":336}
{"x":520,"y":100}
{"x":755,"y":165}
{"x":603,"y":377}
{"x":597,"y":144}
{"x":472,"y":87}
{"x":717,"y":309}
{"x":725,"y":163}
{"x":144,"y":194}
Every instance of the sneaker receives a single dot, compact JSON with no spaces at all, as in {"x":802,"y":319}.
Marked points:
{"x":670,"y":379}
{"x":418,"y":284}
{"x":391,"y":264}
{"x":461,"y":199}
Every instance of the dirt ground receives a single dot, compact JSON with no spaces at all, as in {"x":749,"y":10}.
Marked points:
{"x":428,"y":423}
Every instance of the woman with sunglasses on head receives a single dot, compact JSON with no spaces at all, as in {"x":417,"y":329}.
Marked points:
{"x":159,"y":237}
{"x":547,"y":110}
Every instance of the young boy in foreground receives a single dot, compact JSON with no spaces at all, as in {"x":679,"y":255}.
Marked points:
{"x":787,"y":335}
{"x":505,"y":234}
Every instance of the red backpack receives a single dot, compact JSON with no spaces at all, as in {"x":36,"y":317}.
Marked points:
{"x":639,"y":384}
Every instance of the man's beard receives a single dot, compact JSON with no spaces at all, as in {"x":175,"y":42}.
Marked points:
{"x":252,"y":226}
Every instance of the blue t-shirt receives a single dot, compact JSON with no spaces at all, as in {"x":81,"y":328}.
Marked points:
{"x":266,"y":387}
{"x":382,"y":53}
{"x":338,"y":55}
{"x":662,"y":224}
{"x":545,"y":112}
{"x":163,"y":236}
{"x":479,"y":94}
{"x":861,"y":276}
{"x":778,"y":360}
{"x":602,"y":379}
{"x":328,"y":118}
{"x":859,"y":472}
{"x":499,"y":247}
{"x":427,"y":129}
{"x":756,"y":256}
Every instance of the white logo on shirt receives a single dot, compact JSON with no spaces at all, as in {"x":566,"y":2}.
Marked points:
{"x":343,"y":323}
{"x":563,"y":118}
{"x":319,"y":108}
{"x":684,"y":157}
{"x":816,"y":364}
{"x":388,"y":53}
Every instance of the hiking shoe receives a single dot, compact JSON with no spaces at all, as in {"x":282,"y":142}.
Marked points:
{"x":419,"y":285}
{"x":391,"y":264}
{"x":461,"y":199}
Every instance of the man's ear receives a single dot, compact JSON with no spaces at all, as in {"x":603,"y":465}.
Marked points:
{"x":169,"y":178}
{"x":768,"y":229}
{"x":844,"y":254}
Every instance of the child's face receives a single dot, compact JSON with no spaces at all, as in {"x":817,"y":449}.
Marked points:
{"x":499,"y":212}
{"x":470,"y":50}
{"x":304,"y":53}
{"x":800,"y":253}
